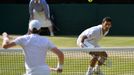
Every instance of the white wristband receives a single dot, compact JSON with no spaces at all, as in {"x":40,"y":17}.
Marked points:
{"x":59,"y":66}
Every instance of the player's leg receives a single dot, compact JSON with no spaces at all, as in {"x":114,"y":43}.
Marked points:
{"x":102,"y":57}
{"x":92,"y":63}
{"x":49,"y":25}
{"x":51,"y":31}
{"x":94,"y":59}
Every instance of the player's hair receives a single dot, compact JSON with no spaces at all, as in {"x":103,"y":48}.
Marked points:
{"x":108,"y":19}
{"x":35,"y":31}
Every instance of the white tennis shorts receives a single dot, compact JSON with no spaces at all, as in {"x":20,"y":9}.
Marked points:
{"x":87,"y":44}
{"x":41,"y":17}
{"x":40,"y":70}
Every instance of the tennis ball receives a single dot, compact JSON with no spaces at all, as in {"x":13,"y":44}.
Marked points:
{"x":90,"y":1}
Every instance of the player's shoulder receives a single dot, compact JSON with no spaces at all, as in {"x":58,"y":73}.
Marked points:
{"x":97,"y":26}
{"x":94,"y":28}
{"x":44,"y":38}
{"x":24,"y":36}
{"x":21,"y":37}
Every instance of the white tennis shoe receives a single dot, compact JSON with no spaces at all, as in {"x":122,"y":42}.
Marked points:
{"x":97,"y":70}
{"x":90,"y":71}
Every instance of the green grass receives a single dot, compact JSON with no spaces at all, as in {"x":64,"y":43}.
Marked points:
{"x":64,"y":41}
{"x":117,"y":42}
{"x":108,"y":41}
{"x":76,"y":63}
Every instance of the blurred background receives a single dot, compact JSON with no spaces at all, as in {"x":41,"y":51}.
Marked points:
{"x":71,"y":17}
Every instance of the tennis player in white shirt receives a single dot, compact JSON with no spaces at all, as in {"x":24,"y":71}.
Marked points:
{"x":89,"y":39}
{"x":35,"y":48}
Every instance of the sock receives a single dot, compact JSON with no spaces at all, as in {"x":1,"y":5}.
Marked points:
{"x":89,"y":71}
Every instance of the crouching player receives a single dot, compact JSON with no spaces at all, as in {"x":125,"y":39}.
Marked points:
{"x":89,"y":39}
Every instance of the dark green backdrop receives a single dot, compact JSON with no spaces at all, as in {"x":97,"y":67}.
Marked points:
{"x":71,"y":19}
{"x":14,"y":18}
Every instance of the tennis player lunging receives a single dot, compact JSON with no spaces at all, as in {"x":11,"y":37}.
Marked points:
{"x":35,"y":49}
{"x":89,"y":39}
{"x":39,"y":9}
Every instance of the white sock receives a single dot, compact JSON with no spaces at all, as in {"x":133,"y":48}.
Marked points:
{"x":89,"y":71}
{"x":96,"y":68}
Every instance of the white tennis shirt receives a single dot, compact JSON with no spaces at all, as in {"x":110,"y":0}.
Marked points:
{"x":35,"y":49}
{"x":94,"y":35}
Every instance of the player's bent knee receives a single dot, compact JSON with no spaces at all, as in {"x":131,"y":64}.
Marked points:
{"x":101,"y":60}
{"x":103,"y":54}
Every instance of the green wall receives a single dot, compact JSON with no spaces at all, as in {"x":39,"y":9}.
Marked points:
{"x":71,"y":19}
{"x":14,"y":18}
{"x":122,"y":16}
{"x":74,"y":18}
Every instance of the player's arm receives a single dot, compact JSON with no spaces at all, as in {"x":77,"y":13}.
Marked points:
{"x":46,"y":9}
{"x":60,"y":59}
{"x":31,"y":7}
{"x":89,"y":36}
{"x":6,"y":43}
{"x":83,"y":37}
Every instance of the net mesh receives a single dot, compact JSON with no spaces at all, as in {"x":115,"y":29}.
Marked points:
{"x":120,"y":61}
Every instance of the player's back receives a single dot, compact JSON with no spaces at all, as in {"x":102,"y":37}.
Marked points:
{"x":35,"y":48}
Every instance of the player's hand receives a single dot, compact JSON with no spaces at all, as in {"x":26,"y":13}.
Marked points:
{"x":59,"y":70}
{"x":5,"y":39}
{"x":81,"y":45}
{"x":4,"y":35}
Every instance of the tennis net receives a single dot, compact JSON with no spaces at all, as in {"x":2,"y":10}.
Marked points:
{"x":120,"y":61}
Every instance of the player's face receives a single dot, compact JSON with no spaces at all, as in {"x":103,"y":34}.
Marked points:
{"x":106,"y":25}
